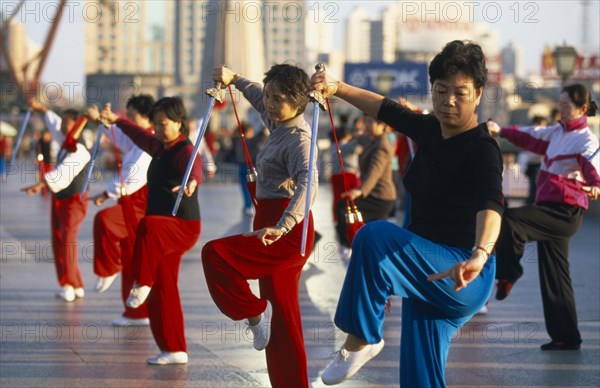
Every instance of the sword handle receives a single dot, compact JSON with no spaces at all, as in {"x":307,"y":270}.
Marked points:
{"x":215,"y":92}
{"x":317,"y":97}
{"x":104,"y":121}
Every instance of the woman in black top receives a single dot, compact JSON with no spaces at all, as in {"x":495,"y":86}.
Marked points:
{"x":456,"y":184}
{"x":161,"y":238}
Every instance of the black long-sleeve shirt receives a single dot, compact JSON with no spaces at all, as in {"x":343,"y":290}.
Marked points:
{"x":166,"y":171}
{"x":450,"y":180}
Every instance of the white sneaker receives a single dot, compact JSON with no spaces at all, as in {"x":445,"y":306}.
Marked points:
{"x":67,"y":293}
{"x":166,"y":358}
{"x":79,"y":292}
{"x":103,"y":283}
{"x":137,"y":296}
{"x":483,"y":310}
{"x":346,"y":364}
{"x":124,"y":321}
{"x":262,"y":330}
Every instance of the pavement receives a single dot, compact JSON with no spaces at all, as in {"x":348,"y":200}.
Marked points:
{"x":47,"y":342}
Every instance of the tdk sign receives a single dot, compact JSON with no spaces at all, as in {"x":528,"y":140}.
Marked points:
{"x":390,"y":79}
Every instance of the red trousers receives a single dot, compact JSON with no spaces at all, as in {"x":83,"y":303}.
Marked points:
{"x":113,"y":243}
{"x":337,"y":183}
{"x":66,"y":216}
{"x":159,"y":247}
{"x":228,"y":264}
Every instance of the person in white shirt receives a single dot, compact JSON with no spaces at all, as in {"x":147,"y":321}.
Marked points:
{"x":68,"y":208}
{"x":115,"y":227}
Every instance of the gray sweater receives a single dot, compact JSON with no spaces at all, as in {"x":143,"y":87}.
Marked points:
{"x":282,"y":162}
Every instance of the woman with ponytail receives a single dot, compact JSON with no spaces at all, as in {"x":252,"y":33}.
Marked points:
{"x":569,"y":177}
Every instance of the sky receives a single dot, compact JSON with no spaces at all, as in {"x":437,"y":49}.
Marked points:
{"x":532,"y":24}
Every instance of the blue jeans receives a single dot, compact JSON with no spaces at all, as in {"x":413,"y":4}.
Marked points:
{"x":389,"y":260}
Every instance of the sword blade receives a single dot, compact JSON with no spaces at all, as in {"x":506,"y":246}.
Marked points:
{"x":20,"y":136}
{"x":92,"y":162}
{"x":188,"y":170}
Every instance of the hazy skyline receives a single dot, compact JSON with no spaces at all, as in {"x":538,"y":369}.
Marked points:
{"x":531,"y":24}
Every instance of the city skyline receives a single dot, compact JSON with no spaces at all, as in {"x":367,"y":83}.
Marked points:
{"x":517,"y":22}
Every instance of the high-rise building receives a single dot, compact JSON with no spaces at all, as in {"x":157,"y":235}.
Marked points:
{"x":512,"y":60}
{"x":191,"y":18}
{"x":115,"y":41}
{"x":283,"y":31}
{"x":233,"y":37}
{"x":319,"y":34}
{"x":384,"y":35}
{"x":128,"y":50}
{"x":358,"y":36}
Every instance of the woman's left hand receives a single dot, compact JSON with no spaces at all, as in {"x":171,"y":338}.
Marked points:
{"x":593,"y":192}
{"x":462,"y":273}
{"x":33,"y":189}
{"x":352,"y":194}
{"x":107,"y":116}
{"x":267,"y":235}
{"x":189,"y":188}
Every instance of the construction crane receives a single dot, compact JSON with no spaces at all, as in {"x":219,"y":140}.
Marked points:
{"x":19,"y":74}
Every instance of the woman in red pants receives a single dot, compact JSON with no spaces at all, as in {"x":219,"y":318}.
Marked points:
{"x":161,"y":238}
{"x":271,"y":253}
{"x":115,"y":227}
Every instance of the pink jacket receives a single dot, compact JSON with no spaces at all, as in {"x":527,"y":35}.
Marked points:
{"x":565,"y":169}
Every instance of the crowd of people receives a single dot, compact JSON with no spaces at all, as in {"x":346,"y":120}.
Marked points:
{"x":448,"y":162}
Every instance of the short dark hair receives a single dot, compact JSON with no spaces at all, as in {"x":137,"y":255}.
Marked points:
{"x":580,"y":96}
{"x":70,"y":113}
{"x":142,"y":103}
{"x":459,"y":57}
{"x":291,"y":81}
{"x":173,"y":108}
{"x":538,"y":120}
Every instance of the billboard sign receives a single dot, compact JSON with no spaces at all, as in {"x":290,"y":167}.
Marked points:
{"x":389,"y":79}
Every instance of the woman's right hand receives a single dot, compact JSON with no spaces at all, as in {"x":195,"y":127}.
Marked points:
{"x":224,"y":75}
{"x":324,"y":84}
{"x":99,"y":199}
{"x":107,"y":115}
{"x":93,"y":113}
{"x":493,"y":128}
{"x":35,"y":105}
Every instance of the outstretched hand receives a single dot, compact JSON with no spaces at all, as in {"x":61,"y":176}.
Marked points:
{"x":93,"y":113}
{"x":462,"y":273}
{"x":593,"y":192}
{"x":493,"y":128}
{"x":33,"y":189}
{"x":189,"y":188}
{"x":324,"y":84}
{"x":352,"y":194}
{"x":224,"y":75}
{"x":107,"y":115}
{"x":267,"y":235}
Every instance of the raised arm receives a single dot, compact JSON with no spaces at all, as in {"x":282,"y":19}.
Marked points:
{"x":368,"y":102}
{"x":252,"y":91}
{"x":142,"y":138}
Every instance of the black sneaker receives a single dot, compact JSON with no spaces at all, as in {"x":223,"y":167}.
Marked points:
{"x":560,"y":345}
{"x":503,"y":288}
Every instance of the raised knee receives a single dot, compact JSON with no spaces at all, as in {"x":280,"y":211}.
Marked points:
{"x":209,"y":252}
{"x":376,"y":229}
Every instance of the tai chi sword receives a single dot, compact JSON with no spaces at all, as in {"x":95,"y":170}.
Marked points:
{"x":93,"y":157}
{"x":20,"y":136}
{"x":215,"y":95}
{"x":318,"y":104}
